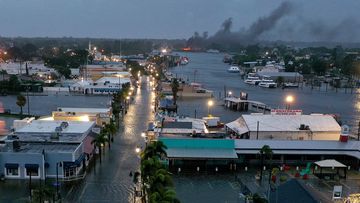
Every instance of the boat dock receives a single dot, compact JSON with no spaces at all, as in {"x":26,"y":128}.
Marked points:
{"x":238,"y":104}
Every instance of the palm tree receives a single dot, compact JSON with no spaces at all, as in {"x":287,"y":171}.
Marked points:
{"x":21,"y":101}
{"x":174,"y":88}
{"x":166,"y":195}
{"x":155,"y":149}
{"x":265,"y":152}
{"x":99,"y":141}
{"x":111,"y":129}
{"x":160,"y":180}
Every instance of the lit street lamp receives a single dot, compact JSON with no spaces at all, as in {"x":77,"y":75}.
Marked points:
{"x":230,"y":93}
{"x":210,"y":104}
{"x":289,"y":99}
{"x":137,"y":149}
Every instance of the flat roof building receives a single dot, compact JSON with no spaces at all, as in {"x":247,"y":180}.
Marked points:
{"x":98,"y":115}
{"x":55,"y":131}
{"x":285,"y":127}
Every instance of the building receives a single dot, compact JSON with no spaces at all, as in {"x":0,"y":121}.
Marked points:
{"x":96,"y":71}
{"x":182,"y":126}
{"x":20,"y":160}
{"x":98,"y":115}
{"x":285,"y":127}
{"x":193,"y":154}
{"x":46,"y":149}
{"x":186,"y":154}
{"x":102,"y":86}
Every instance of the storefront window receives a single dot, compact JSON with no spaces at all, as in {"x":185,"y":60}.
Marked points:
{"x":12,"y":171}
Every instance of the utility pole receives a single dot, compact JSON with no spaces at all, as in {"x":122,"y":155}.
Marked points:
{"x":257,"y":130}
{"x":28,"y":101}
{"x":359,"y":132}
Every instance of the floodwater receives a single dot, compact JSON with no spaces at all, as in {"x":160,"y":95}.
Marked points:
{"x":209,"y":70}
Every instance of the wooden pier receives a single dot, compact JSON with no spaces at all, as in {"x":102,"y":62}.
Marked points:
{"x":238,"y":104}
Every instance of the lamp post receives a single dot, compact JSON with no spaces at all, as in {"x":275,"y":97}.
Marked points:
{"x":289,"y":99}
{"x":229,"y":93}
{"x":58,"y":164}
{"x":143,"y":135}
{"x":210,"y":104}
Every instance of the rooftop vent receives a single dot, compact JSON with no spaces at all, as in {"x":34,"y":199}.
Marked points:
{"x":64,"y":125}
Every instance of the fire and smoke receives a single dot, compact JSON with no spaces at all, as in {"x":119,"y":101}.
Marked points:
{"x":286,"y":23}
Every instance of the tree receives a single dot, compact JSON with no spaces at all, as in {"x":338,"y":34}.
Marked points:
{"x":280,"y":80}
{"x":110,"y":130}
{"x":174,"y":88}
{"x":319,"y":66}
{"x":155,"y":149}
{"x":265,"y":152}
{"x":99,"y":140}
{"x":21,"y":101}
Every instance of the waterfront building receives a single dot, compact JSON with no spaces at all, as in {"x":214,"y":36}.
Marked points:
{"x":187,"y":90}
{"x":102,"y":86}
{"x":285,"y":127}
{"x":96,"y":71}
{"x":98,"y":115}
{"x":181,"y":126}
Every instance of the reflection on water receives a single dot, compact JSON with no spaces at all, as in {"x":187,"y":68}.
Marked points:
{"x":212,"y":73}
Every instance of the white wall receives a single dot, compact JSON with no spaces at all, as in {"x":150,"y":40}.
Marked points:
{"x":296,"y":135}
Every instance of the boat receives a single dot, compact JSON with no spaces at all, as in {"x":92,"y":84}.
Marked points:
{"x":252,"y":79}
{"x":267,"y":83}
{"x":233,"y":69}
{"x":213,"y":51}
{"x":290,"y":85}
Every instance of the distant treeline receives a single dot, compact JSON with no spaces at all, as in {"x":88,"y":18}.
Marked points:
{"x":109,"y":46}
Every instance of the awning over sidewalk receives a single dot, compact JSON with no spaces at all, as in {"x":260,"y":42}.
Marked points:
{"x":193,"y":153}
{"x":32,"y":166}
{"x":330,"y":163}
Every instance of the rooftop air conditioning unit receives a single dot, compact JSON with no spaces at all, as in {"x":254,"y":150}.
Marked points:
{"x":302,"y":127}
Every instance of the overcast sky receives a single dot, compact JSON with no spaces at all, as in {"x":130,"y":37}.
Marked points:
{"x":161,"y":18}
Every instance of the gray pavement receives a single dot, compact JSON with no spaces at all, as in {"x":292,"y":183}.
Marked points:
{"x":110,"y":181}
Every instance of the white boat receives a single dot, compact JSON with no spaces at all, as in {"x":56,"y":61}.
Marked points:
{"x":213,"y":51}
{"x":233,"y":69}
{"x":290,"y":85}
{"x":252,"y":79}
{"x":267,"y":83}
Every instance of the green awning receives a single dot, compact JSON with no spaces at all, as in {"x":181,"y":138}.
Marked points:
{"x":201,"y":153}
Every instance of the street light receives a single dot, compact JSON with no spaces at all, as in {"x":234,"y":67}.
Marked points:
{"x":210,"y":104}
{"x":289,"y":99}
{"x":230,"y":93}
{"x":137,"y":150}
{"x":143,"y":134}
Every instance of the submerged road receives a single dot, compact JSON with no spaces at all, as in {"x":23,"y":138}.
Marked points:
{"x":110,"y":181}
